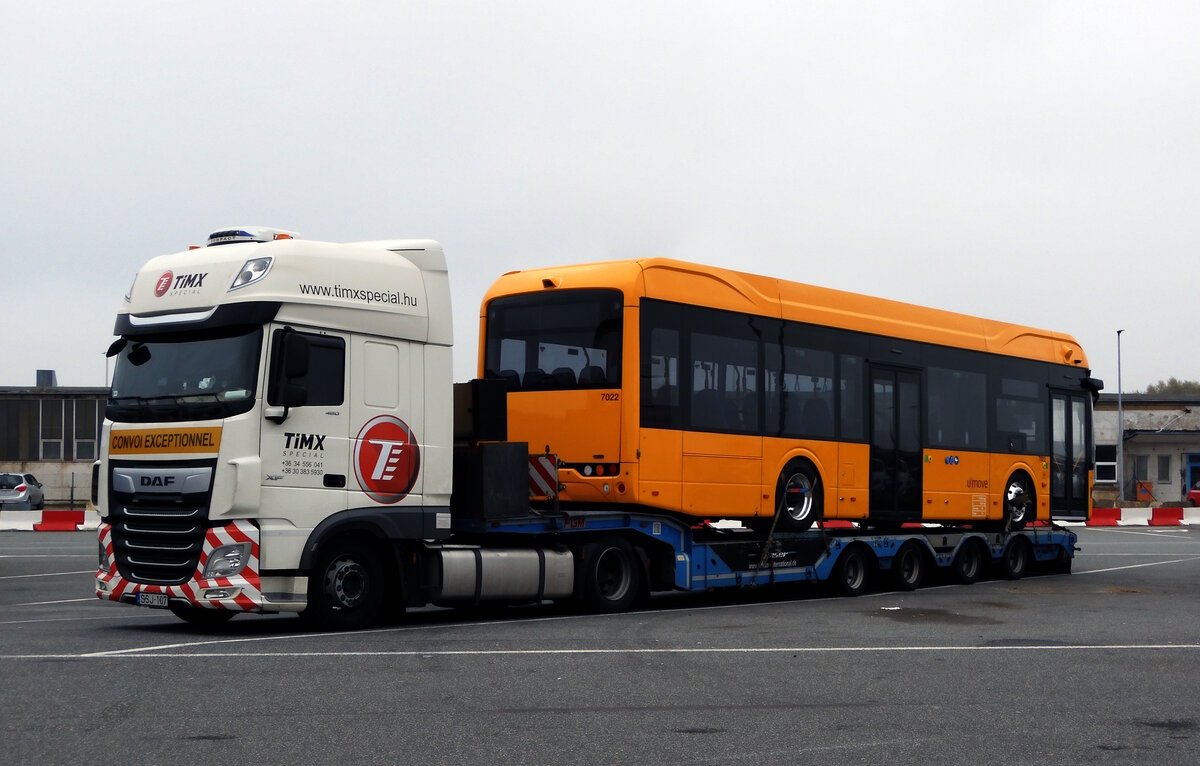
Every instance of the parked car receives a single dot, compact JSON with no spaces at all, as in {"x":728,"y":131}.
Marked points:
{"x":21,"y":490}
{"x":1194,"y":494}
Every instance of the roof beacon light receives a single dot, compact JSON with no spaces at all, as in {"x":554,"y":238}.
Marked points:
{"x":252,"y":271}
{"x":248,"y":234}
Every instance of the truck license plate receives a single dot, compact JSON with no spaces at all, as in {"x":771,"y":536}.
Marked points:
{"x":156,"y":600}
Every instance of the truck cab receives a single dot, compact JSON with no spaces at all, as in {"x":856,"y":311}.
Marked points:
{"x":269,"y":394}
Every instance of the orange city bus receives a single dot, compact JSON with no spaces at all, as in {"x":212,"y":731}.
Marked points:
{"x":714,"y":394}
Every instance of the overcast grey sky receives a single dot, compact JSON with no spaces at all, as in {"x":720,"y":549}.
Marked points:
{"x":1029,"y":162}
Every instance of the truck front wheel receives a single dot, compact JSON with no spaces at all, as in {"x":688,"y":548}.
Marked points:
{"x":345,"y":588}
{"x":611,"y":575}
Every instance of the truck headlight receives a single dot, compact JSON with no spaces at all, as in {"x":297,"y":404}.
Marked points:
{"x":252,"y":271}
{"x":227,"y":560}
{"x":104,"y":563}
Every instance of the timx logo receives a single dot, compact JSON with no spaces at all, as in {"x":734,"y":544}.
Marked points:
{"x":387,"y":459}
{"x":169,"y":281}
{"x":304,"y":441}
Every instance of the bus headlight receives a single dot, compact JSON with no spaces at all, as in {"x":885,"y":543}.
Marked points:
{"x":227,"y":560}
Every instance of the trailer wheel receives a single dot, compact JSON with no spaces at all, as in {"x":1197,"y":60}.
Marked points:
{"x":1062,"y":564}
{"x":345,"y":588}
{"x":798,"y":496}
{"x":1016,"y":559}
{"x":968,"y":563}
{"x":205,"y":618}
{"x":908,"y":567}
{"x":1020,"y":505}
{"x":611,"y":575}
{"x":852,"y":572}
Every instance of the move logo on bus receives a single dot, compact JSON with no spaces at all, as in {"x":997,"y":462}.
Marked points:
{"x":386,"y":459}
{"x":168,"y":281}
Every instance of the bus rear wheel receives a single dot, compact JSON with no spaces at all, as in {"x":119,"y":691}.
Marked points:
{"x":798,"y":497}
{"x":1020,"y":506}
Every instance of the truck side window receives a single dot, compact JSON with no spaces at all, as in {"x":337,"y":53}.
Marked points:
{"x":326,"y":378}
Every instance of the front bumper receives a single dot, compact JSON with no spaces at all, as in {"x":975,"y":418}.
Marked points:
{"x":240,"y":593}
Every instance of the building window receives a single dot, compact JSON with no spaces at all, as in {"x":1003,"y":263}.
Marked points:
{"x":1164,"y":469}
{"x":52,"y":429}
{"x":1141,"y":467}
{"x":85,"y":429}
{"x":1106,"y":464}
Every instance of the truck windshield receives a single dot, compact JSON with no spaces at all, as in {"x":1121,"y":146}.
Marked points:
{"x":555,"y":340}
{"x":186,"y":377}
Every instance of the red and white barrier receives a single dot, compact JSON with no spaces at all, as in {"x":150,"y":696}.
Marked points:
{"x":50,"y":520}
{"x":1144,"y":517}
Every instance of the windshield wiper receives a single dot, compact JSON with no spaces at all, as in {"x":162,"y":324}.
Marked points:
{"x":147,"y":405}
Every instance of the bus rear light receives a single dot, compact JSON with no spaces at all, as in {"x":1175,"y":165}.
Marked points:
{"x":599,"y":469}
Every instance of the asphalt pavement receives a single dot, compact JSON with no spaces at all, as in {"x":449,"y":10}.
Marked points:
{"x":1100,"y":666}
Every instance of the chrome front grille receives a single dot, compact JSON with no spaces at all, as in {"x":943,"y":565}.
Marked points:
{"x":158,"y":531}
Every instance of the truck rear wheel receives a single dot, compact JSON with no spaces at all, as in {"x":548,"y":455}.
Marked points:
{"x":611,"y":575}
{"x":908,"y":567}
{"x":1016,"y":559}
{"x":968,"y":563}
{"x":345,"y":588}
{"x":852,"y":572}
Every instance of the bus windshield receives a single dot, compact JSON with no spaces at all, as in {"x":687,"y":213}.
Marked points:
{"x":186,"y":377}
{"x":555,"y":340}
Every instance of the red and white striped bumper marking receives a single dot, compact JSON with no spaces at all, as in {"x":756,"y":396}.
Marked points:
{"x":543,"y":475}
{"x":247,"y":583}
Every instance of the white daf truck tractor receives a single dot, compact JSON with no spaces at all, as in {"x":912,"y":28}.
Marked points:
{"x":283,"y":435}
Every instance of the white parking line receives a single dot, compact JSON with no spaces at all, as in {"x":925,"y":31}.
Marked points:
{"x":552,"y":652}
{"x":47,"y":574}
{"x":1164,"y":532}
{"x":61,"y":601}
{"x":1138,"y":566}
{"x":47,"y":556}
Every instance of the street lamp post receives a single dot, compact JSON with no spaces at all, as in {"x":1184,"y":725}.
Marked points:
{"x":1120,"y":427}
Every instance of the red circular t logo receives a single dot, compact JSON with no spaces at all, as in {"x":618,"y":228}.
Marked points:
{"x":163,"y":284}
{"x":386,"y":459}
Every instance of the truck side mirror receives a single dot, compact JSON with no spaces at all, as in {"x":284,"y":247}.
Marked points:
{"x":295,"y":356}
{"x":293,"y":395}
{"x":293,"y":363}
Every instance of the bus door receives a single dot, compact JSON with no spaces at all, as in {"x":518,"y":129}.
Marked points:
{"x":1070,"y":456}
{"x":896,"y":474}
